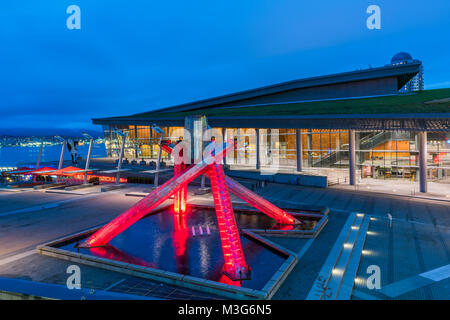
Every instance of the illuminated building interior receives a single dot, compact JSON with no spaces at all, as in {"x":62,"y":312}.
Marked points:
{"x":379,"y":154}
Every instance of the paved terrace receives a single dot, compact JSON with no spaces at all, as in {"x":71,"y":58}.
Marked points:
{"x":337,"y":177}
{"x":54,"y":215}
{"x":415,"y":242}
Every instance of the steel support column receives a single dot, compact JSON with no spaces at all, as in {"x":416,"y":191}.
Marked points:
{"x":151,"y":143}
{"x":224,"y":139}
{"x":119,"y":163}
{"x":298,"y":142}
{"x":88,"y":159}
{"x":136,"y":147}
{"x":309,"y":144}
{"x":423,"y":161}
{"x":158,"y":161}
{"x":351,"y":157}
{"x":258,"y":159}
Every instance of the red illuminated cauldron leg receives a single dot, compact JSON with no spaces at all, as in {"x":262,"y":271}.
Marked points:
{"x":235,"y":266}
{"x":150,"y":202}
{"x":183,"y":195}
{"x":180,"y":197}
{"x":245,"y":194}
{"x":181,"y":232}
{"x":143,"y":207}
{"x":176,"y":196}
{"x":259,"y":202}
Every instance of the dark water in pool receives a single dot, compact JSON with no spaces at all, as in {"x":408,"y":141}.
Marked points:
{"x":155,"y":241}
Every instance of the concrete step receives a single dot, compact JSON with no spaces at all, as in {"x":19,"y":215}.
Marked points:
{"x":111,"y":187}
{"x":79,"y":186}
{"x":348,"y":280}
{"x":336,"y":278}
{"x":48,"y":186}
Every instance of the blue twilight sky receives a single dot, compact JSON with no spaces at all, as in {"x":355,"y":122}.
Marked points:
{"x":134,"y":56}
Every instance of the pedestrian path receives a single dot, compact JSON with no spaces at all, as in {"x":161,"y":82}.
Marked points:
{"x":376,"y":204}
{"x":421,"y":280}
{"x":412,"y":259}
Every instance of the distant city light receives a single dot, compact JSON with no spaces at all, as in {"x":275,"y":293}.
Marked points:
{"x":60,"y":138}
{"x":86,"y":135}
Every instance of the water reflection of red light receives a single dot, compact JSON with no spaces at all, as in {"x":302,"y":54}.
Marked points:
{"x":113,"y":253}
{"x":180,"y":234}
{"x":284,"y":227}
{"x":180,"y":197}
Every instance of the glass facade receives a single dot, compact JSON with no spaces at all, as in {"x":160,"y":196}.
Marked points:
{"x":379,"y":155}
{"x":141,"y":142}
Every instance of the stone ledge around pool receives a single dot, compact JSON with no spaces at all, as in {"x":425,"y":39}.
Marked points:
{"x":53,"y":249}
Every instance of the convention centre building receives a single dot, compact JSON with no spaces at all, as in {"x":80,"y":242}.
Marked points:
{"x":376,"y":124}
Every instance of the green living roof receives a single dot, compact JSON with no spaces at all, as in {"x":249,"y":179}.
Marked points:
{"x":427,"y":101}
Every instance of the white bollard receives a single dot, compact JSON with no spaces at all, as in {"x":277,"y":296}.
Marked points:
{"x":201,"y":230}
{"x":208,"y":232}
{"x":193,"y":231}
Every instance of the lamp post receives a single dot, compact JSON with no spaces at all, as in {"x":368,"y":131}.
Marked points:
{"x":91,"y":140}
{"x":39,"y":158}
{"x":40,"y":154}
{"x":158,"y":162}
{"x":61,"y":157}
{"x":122,"y":148}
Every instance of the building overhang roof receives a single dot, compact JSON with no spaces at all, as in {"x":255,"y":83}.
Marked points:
{"x":402,"y":72}
{"x":425,"y":110}
{"x":439,"y":122}
{"x":365,"y":122}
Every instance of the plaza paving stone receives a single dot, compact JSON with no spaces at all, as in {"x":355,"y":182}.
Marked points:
{"x":418,"y":241}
